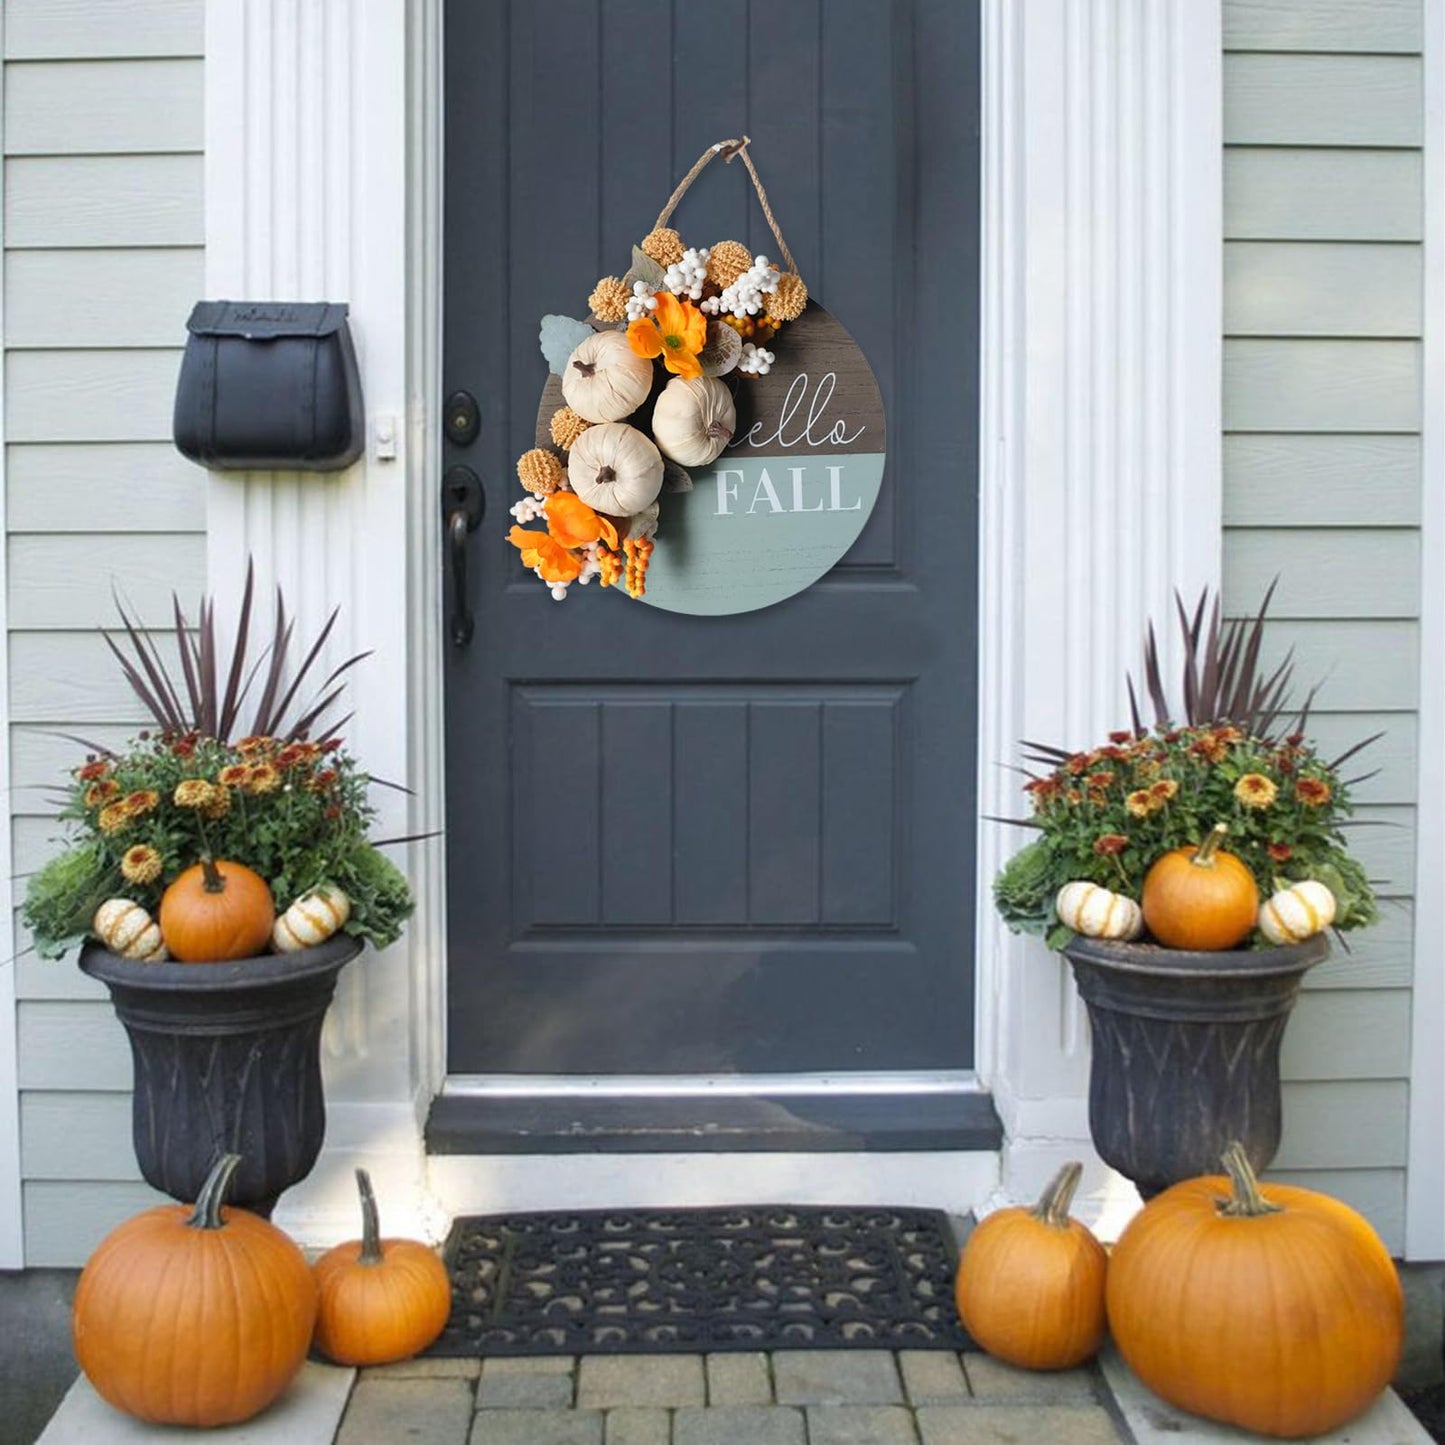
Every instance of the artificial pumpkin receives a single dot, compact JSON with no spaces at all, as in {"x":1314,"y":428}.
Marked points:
{"x":1200,"y":898}
{"x":1097,"y":913}
{"x":1269,"y":1307}
{"x":1297,"y":912}
{"x":311,"y":919}
{"x":217,"y":911}
{"x":605,"y":379}
{"x":693,"y":420}
{"x":379,"y":1299}
{"x":127,"y":929}
{"x":1030,"y":1282}
{"x":194,"y":1315}
{"x":615,"y":469}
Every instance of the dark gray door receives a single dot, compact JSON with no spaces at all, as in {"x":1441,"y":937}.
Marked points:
{"x":687,"y":845}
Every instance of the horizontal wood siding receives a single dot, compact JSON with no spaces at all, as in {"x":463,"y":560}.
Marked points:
{"x":1323,"y":118}
{"x":104,"y":222}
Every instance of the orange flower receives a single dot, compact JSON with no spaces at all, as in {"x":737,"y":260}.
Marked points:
{"x":676,"y":331}
{"x":1313,"y":792}
{"x":1108,"y":843}
{"x":574,"y":524}
{"x":1255,"y":790}
{"x":546,"y":555}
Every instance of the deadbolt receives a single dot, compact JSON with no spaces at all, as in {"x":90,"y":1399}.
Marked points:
{"x":463,"y":419}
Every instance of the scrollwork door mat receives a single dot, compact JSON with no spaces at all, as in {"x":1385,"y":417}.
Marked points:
{"x":760,"y":1277}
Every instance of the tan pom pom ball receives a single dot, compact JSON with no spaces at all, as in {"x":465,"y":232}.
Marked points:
{"x":788,"y":301}
{"x":567,"y":426}
{"x":664,"y":246}
{"x":541,"y":472}
{"x":727,"y":261}
{"x":609,"y":299}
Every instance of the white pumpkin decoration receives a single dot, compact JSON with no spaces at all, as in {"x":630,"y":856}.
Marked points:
{"x":693,"y":420}
{"x":615,"y":469}
{"x":312,"y":919}
{"x":127,"y":929}
{"x":1298,"y":912}
{"x":605,"y":379}
{"x":1097,"y":913}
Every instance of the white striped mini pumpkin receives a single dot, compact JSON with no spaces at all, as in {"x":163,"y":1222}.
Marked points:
{"x":312,"y":919}
{"x":1097,"y":913}
{"x":1296,"y":913}
{"x":127,"y":929}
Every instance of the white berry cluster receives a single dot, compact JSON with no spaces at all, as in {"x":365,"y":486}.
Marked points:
{"x":529,"y":509}
{"x":685,"y":277}
{"x":641,"y":302}
{"x":745,"y":296}
{"x":756,"y":360}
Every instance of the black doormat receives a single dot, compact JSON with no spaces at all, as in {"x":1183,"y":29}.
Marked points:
{"x":761,"y":1277}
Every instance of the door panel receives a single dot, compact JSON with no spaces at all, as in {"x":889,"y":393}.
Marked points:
{"x":743,"y":843}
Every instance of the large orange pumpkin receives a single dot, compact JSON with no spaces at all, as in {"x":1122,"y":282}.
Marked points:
{"x":1269,"y":1307}
{"x":194,"y":1316}
{"x":1200,"y":898}
{"x":1030,"y":1284}
{"x":217,"y":911}
{"x":380,"y":1300}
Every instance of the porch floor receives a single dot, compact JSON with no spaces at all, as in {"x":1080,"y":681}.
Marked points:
{"x":841,"y":1397}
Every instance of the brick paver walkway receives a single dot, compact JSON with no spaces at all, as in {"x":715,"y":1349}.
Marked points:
{"x":805,"y":1397}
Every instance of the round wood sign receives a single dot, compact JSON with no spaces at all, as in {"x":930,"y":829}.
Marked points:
{"x":791,"y":492}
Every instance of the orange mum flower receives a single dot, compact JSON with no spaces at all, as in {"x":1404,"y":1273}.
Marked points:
{"x":1313,"y":792}
{"x":1108,"y":843}
{"x":574,"y":524}
{"x":1255,"y":790}
{"x":546,"y":555}
{"x":676,"y":332}
{"x":1141,"y":803}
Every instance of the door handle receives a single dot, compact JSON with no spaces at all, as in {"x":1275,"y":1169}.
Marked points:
{"x":463,"y":503}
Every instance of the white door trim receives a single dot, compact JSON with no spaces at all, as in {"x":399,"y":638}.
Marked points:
{"x":1100,"y":436}
{"x":1425,"y":1180}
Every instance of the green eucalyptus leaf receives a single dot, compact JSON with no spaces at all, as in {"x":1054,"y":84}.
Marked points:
{"x":560,"y":336}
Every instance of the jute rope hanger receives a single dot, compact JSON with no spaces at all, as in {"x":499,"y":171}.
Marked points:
{"x":729,"y":150}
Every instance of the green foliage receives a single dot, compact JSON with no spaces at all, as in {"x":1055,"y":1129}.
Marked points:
{"x":63,"y":896}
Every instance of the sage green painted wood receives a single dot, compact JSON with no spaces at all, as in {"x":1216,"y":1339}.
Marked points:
{"x":87,"y":487}
{"x":1383,"y":839}
{"x":1364,"y":25}
{"x":1346,"y":1034}
{"x":66,"y":1219}
{"x":43,"y":978}
{"x":101,"y":298}
{"x":1279,"y":385}
{"x":69,"y":582}
{"x":64,"y":678}
{"x":64,"y":396}
{"x":1325,"y":571}
{"x":1381,"y":956}
{"x":69,"y":1046}
{"x":70,"y":29}
{"x":1322,"y":195}
{"x":1328,"y":481}
{"x":40,"y":758}
{"x":103,"y":107}
{"x":1391,"y":758}
{"x":1323,"y":100}
{"x":1353,"y":1124}
{"x":127,"y":200}
{"x":74,"y":1135}
{"x":1360,"y":664}
{"x":1378,"y":1194}
{"x":1321,"y":288}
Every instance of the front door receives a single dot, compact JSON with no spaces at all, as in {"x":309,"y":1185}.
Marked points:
{"x":740,"y":844}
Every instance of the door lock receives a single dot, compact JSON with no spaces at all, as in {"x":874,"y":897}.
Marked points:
{"x":463,"y":503}
{"x":462,"y":419}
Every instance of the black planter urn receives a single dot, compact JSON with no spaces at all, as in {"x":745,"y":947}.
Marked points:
{"x":227,"y":1059}
{"x":1185,"y":1052}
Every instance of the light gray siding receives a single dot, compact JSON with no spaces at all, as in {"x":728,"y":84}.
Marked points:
{"x":1323,"y":218}
{"x":103,"y":229}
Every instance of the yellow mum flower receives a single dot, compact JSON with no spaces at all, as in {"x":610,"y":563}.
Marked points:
{"x":98,"y":794}
{"x":141,"y":801}
{"x":262,"y":778}
{"x":141,"y":864}
{"x":1255,"y":790}
{"x":218,"y":804}
{"x":1140,"y":803}
{"x":113,"y":817}
{"x":192,"y":793}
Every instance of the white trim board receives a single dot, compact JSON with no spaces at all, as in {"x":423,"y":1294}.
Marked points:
{"x":1425,"y":1179}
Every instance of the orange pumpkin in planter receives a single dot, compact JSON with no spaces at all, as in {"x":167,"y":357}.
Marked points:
{"x":217,"y":911}
{"x":1030,"y":1284}
{"x":380,"y":1299}
{"x":194,"y":1316}
{"x":1269,"y":1307}
{"x":1200,"y":899}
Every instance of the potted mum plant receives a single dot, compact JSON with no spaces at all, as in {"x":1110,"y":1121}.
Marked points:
{"x":1189,"y":870}
{"x":217,"y":875}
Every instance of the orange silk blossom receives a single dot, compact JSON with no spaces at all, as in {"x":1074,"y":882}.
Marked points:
{"x":574,"y":524}
{"x":675,"y":331}
{"x":546,"y":555}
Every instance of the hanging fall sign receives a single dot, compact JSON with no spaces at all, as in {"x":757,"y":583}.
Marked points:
{"x":710,"y":440}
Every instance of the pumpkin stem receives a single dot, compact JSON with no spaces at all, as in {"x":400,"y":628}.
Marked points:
{"x":716,"y":429}
{"x":585,"y":367}
{"x":1204,"y":854}
{"x":207,"y":1211}
{"x":607,"y":474}
{"x":1246,"y":1202}
{"x":370,"y":1225}
{"x":212,"y":879}
{"x":1053,"y":1205}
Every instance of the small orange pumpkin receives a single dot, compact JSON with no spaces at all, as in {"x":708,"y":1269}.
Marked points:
{"x":1269,"y":1307}
{"x":217,"y":911}
{"x":1200,"y":898}
{"x":380,"y":1299}
{"x":1030,"y":1284}
{"x":194,"y":1316}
